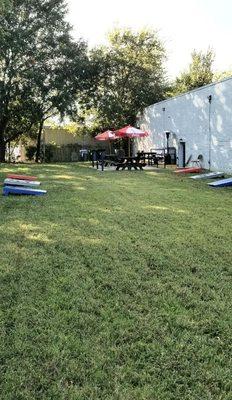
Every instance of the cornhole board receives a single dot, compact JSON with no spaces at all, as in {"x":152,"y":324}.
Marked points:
{"x":209,"y":175}
{"x":221,"y":183}
{"x":189,"y":170}
{"x":20,"y":182}
{"x":23,"y":177}
{"x":22,"y":190}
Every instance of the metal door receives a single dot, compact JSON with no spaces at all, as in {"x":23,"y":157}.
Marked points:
{"x":181,"y":155}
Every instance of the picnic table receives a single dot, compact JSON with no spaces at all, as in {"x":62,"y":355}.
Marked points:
{"x":129,"y":163}
{"x":102,"y":160}
{"x":110,"y":159}
{"x":153,"y":158}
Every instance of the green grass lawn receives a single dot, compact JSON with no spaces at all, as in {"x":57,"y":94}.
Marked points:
{"x":115,"y":286}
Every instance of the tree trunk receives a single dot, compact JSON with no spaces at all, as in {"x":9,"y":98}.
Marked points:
{"x":9,"y":149}
{"x":2,"y":148}
{"x":38,"y":149}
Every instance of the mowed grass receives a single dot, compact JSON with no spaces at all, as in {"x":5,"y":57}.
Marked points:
{"x":115,"y":286}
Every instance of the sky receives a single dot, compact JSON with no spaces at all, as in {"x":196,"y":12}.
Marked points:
{"x":182,"y":25}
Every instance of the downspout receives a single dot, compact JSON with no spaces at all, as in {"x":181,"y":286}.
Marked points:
{"x":209,"y":130}
{"x":163,"y":109}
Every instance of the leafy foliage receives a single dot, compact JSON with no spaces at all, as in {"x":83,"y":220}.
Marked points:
{"x":41,"y":67}
{"x":222,"y":75}
{"x":126,"y":75}
{"x":30,"y":152}
{"x":199,"y":74}
{"x":4,"y":5}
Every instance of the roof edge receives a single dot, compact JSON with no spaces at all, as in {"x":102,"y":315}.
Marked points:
{"x":191,"y":91}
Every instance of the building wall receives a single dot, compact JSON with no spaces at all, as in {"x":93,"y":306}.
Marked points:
{"x":205,"y":127}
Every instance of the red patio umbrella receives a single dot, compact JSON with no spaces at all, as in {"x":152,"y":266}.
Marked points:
{"x":107,"y":135}
{"x":130,"y":132}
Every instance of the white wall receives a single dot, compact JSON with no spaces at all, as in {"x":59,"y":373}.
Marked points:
{"x":206,"y":129}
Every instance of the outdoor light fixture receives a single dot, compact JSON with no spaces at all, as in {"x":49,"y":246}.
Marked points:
{"x":167,"y":134}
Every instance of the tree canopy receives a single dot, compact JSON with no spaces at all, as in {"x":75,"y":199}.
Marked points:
{"x":45,"y":72}
{"x":222,"y":75}
{"x":200,"y":73}
{"x":127,"y":75}
{"x":4,"y":5}
{"x":41,"y":66}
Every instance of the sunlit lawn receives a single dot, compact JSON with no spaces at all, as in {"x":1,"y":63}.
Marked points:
{"x":115,"y":286}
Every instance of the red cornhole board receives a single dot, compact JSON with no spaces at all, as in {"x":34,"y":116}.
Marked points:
{"x":24,"y":177}
{"x":189,"y":170}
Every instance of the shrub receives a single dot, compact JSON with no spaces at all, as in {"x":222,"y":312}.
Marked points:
{"x":30,"y":152}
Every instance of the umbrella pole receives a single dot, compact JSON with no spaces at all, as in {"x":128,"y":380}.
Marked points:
{"x":128,"y":147}
{"x":110,"y":146}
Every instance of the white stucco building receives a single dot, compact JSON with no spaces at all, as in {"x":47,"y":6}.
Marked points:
{"x":199,"y":122}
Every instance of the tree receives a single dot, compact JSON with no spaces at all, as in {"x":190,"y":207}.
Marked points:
{"x":125,"y":76}
{"x":222,"y":75}
{"x":55,"y":89}
{"x":199,"y":74}
{"x":41,"y":67}
{"x":4,"y":4}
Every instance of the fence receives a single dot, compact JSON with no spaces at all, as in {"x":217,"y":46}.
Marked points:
{"x":66,"y":153}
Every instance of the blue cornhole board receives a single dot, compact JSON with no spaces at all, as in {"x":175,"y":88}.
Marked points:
{"x":22,"y":190}
{"x":221,"y":183}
